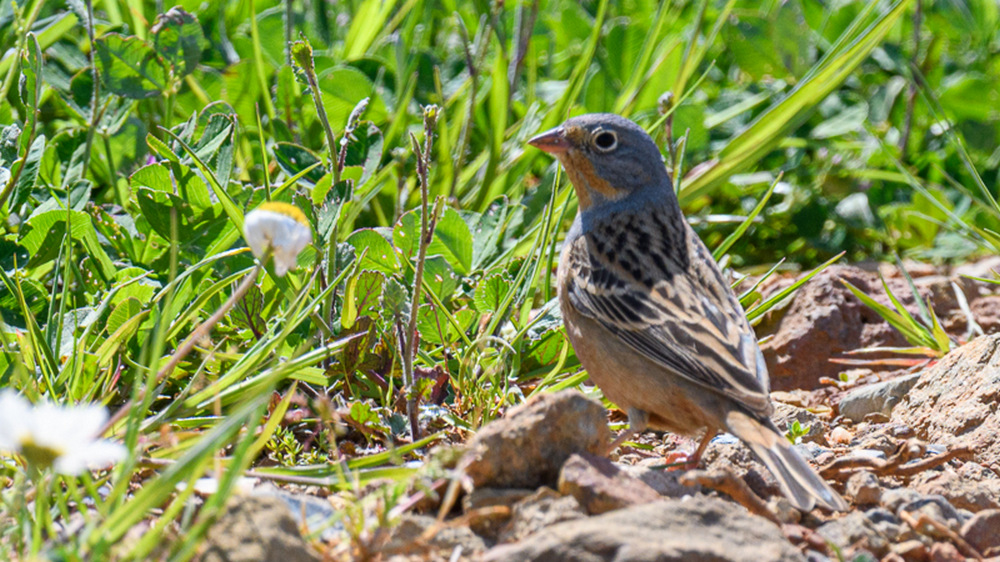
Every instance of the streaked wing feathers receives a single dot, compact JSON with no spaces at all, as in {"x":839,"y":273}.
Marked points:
{"x":681,"y":319}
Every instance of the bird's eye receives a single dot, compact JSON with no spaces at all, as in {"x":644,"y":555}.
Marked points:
{"x":606,"y":141}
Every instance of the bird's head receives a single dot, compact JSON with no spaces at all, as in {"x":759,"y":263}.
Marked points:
{"x":607,"y":157}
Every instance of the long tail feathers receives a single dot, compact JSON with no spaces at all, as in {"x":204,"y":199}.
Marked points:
{"x":800,"y":483}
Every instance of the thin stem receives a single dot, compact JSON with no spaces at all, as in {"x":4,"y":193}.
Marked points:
{"x":94,"y":97}
{"x":911,"y":97}
{"x":427,"y":225}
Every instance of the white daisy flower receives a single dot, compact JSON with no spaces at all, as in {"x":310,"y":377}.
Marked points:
{"x":280,"y":227}
{"x":61,"y":437}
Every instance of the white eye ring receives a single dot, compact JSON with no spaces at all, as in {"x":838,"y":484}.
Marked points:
{"x":601,"y":140}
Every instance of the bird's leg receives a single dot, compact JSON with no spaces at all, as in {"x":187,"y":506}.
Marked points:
{"x":638,"y":421}
{"x":679,"y":460}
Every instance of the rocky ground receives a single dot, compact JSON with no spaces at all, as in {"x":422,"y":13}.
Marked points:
{"x":915,"y":450}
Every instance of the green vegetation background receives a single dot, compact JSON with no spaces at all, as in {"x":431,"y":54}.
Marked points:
{"x":867,"y":128}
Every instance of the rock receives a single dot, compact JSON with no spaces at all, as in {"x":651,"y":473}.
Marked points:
{"x":600,"y":486}
{"x":411,"y":537}
{"x":729,"y":453}
{"x":542,"y":509}
{"x":825,"y":320}
{"x":972,"y":487}
{"x":698,"y":528}
{"x":889,"y":525}
{"x":912,"y":551}
{"x":785,"y":415}
{"x":254,"y":528}
{"x":982,"y":531}
{"x":855,"y":530}
{"x":863,"y":488}
{"x":936,"y":508}
{"x":665,"y":482}
{"x":986,"y":311}
{"x":840,"y":435}
{"x":528,"y":446}
{"x":945,"y":552}
{"x":310,"y":512}
{"x":490,"y":497}
{"x":893,"y":498}
{"x":954,"y":402}
{"x":879,"y":397}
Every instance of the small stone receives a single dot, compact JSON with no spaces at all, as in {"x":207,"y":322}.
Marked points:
{"x":855,"y":528}
{"x":889,"y":525}
{"x":912,"y":551}
{"x":490,"y":497}
{"x":863,"y":488}
{"x":982,"y":531}
{"x":878,"y":398}
{"x":600,"y":486}
{"x":786,"y":415}
{"x":409,"y":538}
{"x":840,"y":436}
{"x":945,"y":552}
{"x":895,"y":497}
{"x":665,"y":482}
{"x":784,"y":510}
{"x":936,"y":508}
{"x":528,"y":446}
{"x":256,"y":528}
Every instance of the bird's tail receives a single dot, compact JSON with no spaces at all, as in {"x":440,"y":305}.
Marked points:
{"x":800,"y":483}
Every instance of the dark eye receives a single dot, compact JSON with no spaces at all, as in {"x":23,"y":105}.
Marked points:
{"x":606,"y":141}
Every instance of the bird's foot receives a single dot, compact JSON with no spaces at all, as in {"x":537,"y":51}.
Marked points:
{"x":679,"y":460}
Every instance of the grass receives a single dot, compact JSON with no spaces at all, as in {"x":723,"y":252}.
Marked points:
{"x":133,"y":143}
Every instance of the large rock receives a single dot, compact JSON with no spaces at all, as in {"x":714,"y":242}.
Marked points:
{"x":824,"y":320}
{"x":955,"y":402}
{"x":700,"y":528}
{"x":528,"y":446}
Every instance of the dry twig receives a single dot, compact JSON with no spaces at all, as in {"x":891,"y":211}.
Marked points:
{"x":728,"y":483}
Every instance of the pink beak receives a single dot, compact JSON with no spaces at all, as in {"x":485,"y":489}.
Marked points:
{"x":553,"y":141}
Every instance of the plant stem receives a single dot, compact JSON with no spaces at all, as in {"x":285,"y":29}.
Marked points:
{"x":427,"y":225}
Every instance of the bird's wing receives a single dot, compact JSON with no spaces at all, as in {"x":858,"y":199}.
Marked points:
{"x":671,"y":306}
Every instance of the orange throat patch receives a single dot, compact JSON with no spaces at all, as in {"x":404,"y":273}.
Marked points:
{"x":584,"y":179}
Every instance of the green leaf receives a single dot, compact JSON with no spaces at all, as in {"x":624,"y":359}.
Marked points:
{"x":487,"y":231}
{"x":364,"y":149}
{"x":43,"y":235}
{"x":395,"y":301}
{"x":435,"y":327}
{"x":127,"y":309}
{"x":440,"y":278}
{"x":130,"y":67}
{"x":380,"y":255}
{"x":491,"y":291}
{"x":31,"y":78}
{"x":293,"y":158}
{"x":453,"y":240}
{"x":248,"y":313}
{"x":30,"y":166}
{"x":178,"y":38}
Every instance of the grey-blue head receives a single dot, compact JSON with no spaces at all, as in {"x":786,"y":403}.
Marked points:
{"x":608,"y":158}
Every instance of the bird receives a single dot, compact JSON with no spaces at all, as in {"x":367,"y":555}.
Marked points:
{"x":648,"y":312}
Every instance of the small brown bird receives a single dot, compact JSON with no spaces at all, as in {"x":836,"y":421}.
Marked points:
{"x":647,"y":309}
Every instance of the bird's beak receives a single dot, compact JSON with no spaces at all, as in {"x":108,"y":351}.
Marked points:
{"x":553,"y":141}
